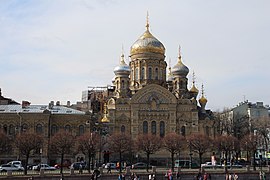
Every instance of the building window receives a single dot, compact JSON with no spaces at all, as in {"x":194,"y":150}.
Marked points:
{"x":24,"y":127}
{"x":153,"y":127}
{"x":11,"y":130}
{"x":122,"y":84}
{"x":142,"y":77}
{"x":161,"y":74}
{"x":68,"y":128}
{"x":123,"y":129}
{"x":39,"y":129}
{"x":54,"y":129}
{"x":81,"y":130}
{"x":156,"y":74}
{"x":162,"y":129}
{"x":137,"y":74}
{"x":183,"y":131}
{"x":145,"y":127}
{"x":150,"y":73}
{"x":5,"y":129}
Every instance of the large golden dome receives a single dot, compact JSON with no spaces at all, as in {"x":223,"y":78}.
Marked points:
{"x":147,"y":43}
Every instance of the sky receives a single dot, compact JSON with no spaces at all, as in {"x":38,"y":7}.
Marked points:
{"x":52,"y":50}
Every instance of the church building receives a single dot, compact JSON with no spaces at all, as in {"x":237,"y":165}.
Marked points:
{"x":148,"y":99}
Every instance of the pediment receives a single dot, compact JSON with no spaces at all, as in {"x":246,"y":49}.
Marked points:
{"x":153,"y":93}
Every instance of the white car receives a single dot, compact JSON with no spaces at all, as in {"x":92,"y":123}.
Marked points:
{"x":16,"y":163}
{"x":44,"y":166}
{"x":210,"y":165}
{"x":10,"y":167}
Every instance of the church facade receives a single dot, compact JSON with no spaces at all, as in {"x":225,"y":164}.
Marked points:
{"x":147,"y":99}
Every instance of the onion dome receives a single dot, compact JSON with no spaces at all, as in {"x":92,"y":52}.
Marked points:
{"x":122,"y":68}
{"x":202,"y":100}
{"x":180,"y":69}
{"x":193,"y":89}
{"x":147,"y":43}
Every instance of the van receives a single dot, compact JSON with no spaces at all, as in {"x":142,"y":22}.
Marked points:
{"x":185,"y":164}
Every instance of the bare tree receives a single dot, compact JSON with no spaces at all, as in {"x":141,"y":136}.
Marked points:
{"x":120,"y":143}
{"x":88,"y":144}
{"x":199,"y":143}
{"x":250,"y":144}
{"x":27,"y":142}
{"x":5,"y":143}
{"x":149,"y":144}
{"x":174,"y":143}
{"x":226,"y":143}
{"x":62,"y":143}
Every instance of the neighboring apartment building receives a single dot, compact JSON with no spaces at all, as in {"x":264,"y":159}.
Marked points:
{"x":45,"y":120}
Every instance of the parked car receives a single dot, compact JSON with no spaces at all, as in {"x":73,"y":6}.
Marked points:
{"x":66,"y":164}
{"x":10,"y":167}
{"x":76,"y":165}
{"x":46,"y":167}
{"x":210,"y":165}
{"x":185,"y":164}
{"x":15,"y":163}
{"x":234,"y":165}
{"x":140,"y":165}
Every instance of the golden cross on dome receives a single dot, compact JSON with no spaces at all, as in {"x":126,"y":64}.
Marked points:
{"x":147,"y":21}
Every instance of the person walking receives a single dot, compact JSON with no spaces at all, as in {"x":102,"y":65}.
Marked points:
{"x":109,"y":169}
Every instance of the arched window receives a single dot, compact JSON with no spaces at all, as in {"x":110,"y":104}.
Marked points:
{"x":123,"y":129}
{"x":153,"y":127}
{"x":137,"y":74}
{"x":183,"y":131}
{"x":68,"y":128}
{"x":122,"y":84}
{"x":24,"y":127}
{"x":162,"y":129}
{"x":81,"y":130}
{"x":143,"y":74}
{"x":54,"y":129}
{"x":145,"y":127}
{"x":150,"y":73}
{"x":11,"y":130}
{"x":5,"y":129}
{"x":39,"y":129}
{"x":161,"y":74}
{"x":156,"y":74}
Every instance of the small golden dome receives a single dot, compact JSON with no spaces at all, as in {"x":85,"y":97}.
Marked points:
{"x":203,"y":100}
{"x":194,"y":89}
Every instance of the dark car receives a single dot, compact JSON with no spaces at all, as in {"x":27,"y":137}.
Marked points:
{"x":77,"y":165}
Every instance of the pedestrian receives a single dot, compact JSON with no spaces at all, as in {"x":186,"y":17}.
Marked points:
{"x":235,"y":176}
{"x":205,"y":176}
{"x":120,"y":177}
{"x":123,"y":177}
{"x":80,"y":169}
{"x":109,"y":169}
{"x":150,"y":176}
{"x":154,"y":177}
